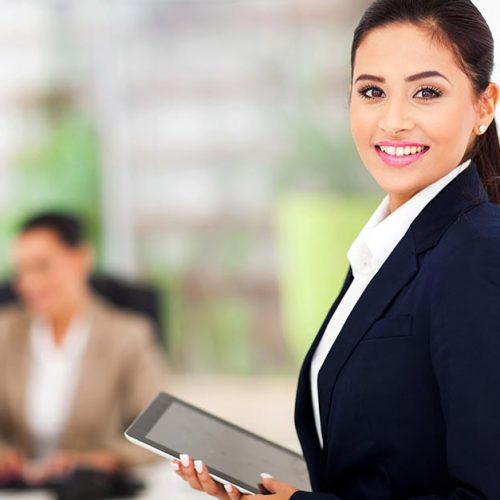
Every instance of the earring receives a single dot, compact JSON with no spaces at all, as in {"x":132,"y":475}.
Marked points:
{"x":482,"y":129}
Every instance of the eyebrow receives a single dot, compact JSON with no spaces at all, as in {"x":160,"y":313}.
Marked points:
{"x":412,"y":78}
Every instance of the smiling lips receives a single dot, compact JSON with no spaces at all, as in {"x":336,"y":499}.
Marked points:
{"x":401,"y":153}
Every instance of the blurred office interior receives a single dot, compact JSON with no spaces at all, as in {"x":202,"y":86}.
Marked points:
{"x":207,"y":146}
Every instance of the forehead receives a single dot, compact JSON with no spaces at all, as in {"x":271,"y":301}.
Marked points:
{"x":39,"y":239}
{"x":403,"y":48}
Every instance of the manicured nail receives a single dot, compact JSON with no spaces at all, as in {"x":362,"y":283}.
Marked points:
{"x":228,"y":488}
{"x":184,"y":459}
{"x":174,"y":465}
{"x":265,"y":475}
{"x":198,"y":465}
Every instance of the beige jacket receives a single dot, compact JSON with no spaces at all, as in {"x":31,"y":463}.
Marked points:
{"x":122,"y":370}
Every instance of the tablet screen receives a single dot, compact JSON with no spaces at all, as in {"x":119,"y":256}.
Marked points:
{"x":224,"y":447}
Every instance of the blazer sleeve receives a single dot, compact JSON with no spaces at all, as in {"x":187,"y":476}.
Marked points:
{"x":145,"y":370}
{"x":465,"y":354}
{"x":5,"y":427}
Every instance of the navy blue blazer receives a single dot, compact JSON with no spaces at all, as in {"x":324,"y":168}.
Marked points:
{"x":410,"y":391}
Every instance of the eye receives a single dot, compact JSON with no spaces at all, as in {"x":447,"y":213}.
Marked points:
{"x":363,"y":92}
{"x":431,"y":93}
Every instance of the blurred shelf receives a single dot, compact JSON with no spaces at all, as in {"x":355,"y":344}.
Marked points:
{"x":220,"y":222}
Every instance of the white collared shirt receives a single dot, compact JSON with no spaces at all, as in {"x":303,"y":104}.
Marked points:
{"x":52,"y":381}
{"x":367,"y":253}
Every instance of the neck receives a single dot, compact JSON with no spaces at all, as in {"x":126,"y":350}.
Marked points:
{"x":62,"y":319}
{"x":396,"y":200}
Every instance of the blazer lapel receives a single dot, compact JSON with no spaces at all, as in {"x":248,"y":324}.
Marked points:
{"x":87,"y":382}
{"x":397,"y":270}
{"x":19,"y":370}
{"x":304,"y":421}
{"x":461,"y":194}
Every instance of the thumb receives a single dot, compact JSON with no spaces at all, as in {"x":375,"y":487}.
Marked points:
{"x":269,"y":482}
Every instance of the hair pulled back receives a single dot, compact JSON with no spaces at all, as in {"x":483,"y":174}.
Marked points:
{"x":459,"y":25}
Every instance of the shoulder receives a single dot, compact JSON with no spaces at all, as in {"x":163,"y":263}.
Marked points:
{"x":464,"y":268}
{"x":472,"y":238}
{"x":14,"y":329}
{"x":12,"y":319}
{"x":12,"y":314}
{"x":130,"y":327}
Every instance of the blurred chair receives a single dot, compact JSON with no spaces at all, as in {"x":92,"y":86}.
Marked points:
{"x":136,"y":297}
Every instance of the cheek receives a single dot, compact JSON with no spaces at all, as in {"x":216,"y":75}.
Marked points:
{"x":362,"y":123}
{"x":52,"y":281}
{"x":451,"y":128}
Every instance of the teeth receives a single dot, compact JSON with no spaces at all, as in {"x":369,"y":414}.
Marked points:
{"x":402,"y":151}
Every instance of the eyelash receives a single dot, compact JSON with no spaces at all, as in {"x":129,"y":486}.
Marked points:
{"x":437,"y":92}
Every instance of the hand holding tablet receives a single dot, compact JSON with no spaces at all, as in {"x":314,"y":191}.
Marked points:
{"x":196,"y":473}
{"x":231,"y":455}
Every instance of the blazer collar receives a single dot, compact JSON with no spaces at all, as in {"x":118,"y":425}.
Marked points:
{"x":461,"y":194}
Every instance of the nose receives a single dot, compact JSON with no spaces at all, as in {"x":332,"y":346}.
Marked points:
{"x":395,"y":117}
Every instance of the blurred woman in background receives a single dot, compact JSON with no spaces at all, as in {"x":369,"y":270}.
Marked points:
{"x":74,"y":369}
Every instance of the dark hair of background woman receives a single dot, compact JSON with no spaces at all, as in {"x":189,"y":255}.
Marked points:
{"x":459,"y":25}
{"x":68,"y":228}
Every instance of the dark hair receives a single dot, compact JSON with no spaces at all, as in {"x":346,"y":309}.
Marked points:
{"x":459,"y":25}
{"x":68,"y":228}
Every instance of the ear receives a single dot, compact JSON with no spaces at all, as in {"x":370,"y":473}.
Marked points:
{"x":488,"y":103}
{"x":89,"y":256}
{"x":86,"y":255}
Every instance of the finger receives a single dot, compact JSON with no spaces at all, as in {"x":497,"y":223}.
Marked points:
{"x":207,"y":483}
{"x":11,"y":467}
{"x":274,"y":486}
{"x":5,"y":469}
{"x":189,"y":473}
{"x":11,"y":461}
{"x":176,"y":467}
{"x":269,"y":482}
{"x":60,"y":465}
{"x":232,"y":492}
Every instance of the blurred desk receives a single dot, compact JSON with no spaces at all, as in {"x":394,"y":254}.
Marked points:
{"x":163,"y":484}
{"x":263,"y":405}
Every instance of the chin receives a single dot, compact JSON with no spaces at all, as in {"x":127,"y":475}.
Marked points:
{"x":399,"y":190}
{"x":41,"y":309}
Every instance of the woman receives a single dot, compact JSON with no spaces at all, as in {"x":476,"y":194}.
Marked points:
{"x":74,"y":368}
{"x":406,"y":403}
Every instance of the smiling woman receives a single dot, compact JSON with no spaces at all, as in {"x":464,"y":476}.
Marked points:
{"x":426,"y":121}
{"x":398,"y":397}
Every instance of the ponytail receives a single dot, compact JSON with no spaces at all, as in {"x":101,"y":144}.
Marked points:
{"x":486,"y":154}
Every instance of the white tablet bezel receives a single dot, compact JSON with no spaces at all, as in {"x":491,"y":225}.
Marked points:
{"x":137,"y":433}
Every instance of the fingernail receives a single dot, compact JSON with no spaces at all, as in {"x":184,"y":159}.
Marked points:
{"x":265,"y":475}
{"x":174,"y":465}
{"x":184,"y":459}
{"x":228,"y":488}
{"x":198,"y":465}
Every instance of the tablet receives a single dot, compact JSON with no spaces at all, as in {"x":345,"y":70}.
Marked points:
{"x":170,"y":426}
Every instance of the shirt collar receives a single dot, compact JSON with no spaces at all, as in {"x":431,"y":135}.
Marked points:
{"x":73,"y":343}
{"x":384,"y":230}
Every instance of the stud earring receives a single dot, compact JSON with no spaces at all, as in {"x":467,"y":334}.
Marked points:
{"x":483,"y":129}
